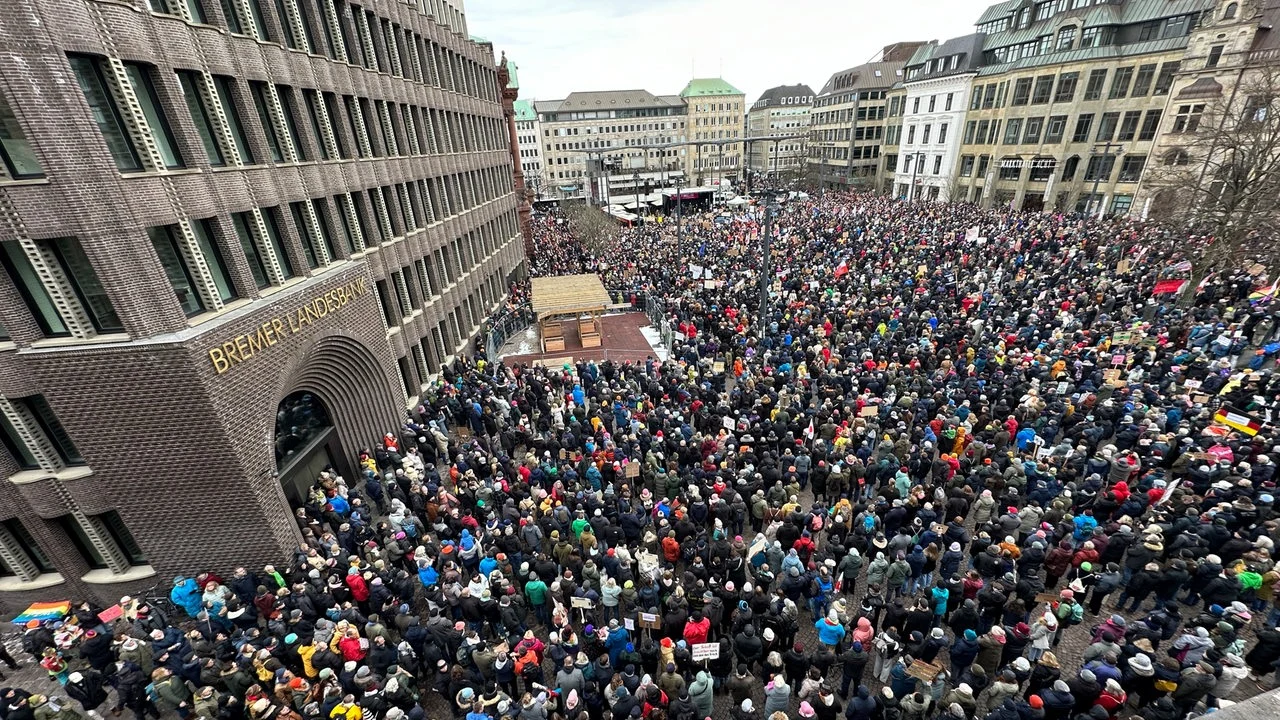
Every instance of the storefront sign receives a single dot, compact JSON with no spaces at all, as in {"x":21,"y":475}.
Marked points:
{"x":245,"y":347}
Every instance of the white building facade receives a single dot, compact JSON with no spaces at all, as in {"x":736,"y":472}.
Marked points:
{"x":939,"y":79}
{"x":528,"y":136}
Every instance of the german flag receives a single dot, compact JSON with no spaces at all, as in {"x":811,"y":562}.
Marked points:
{"x":1237,"y":421}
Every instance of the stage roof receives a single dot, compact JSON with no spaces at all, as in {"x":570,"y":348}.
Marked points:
{"x":569,"y":294}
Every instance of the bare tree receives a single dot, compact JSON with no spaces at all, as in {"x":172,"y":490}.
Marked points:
{"x":593,"y":227}
{"x":1221,"y":183}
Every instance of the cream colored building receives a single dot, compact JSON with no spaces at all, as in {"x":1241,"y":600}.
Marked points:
{"x":716,"y":112}
{"x":590,"y":135}
{"x":848,"y":121}
{"x":1225,"y":52}
{"x":1070,"y":99}
{"x":780,"y":111}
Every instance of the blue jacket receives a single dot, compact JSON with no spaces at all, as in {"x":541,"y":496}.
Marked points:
{"x":829,"y":633}
{"x":186,"y":596}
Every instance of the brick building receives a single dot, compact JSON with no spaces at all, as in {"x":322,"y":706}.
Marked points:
{"x":237,"y":240}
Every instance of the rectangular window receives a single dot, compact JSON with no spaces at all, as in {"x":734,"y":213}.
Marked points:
{"x":19,"y":160}
{"x":1012,"y":130}
{"x":261,"y":101}
{"x":257,"y":263}
{"x":28,"y":544}
{"x":334,"y":110}
{"x":384,"y":299}
{"x":84,"y":280}
{"x":203,"y":230}
{"x":1143,"y":79}
{"x":54,"y":432}
{"x":1091,"y":37}
{"x":983,"y":125}
{"x":1034,"y":127}
{"x":1120,"y":83}
{"x":1150,"y":125}
{"x":81,"y":541}
{"x":33,"y":292}
{"x":1084,"y":123}
{"x":1100,"y":167}
{"x":344,"y":221}
{"x":950,"y":97}
{"x":312,"y":99}
{"x":157,"y":123}
{"x":200,"y":116}
{"x":966,"y":165}
{"x":1149,"y":30}
{"x":285,"y":94}
{"x":223,"y":86}
{"x":1107,"y":125}
{"x":969,"y":128}
{"x":16,"y":446}
{"x":1097,"y":80}
{"x":106,"y":114}
{"x":232,"y":17}
{"x":937,"y":170}
{"x":942,"y":133}
{"x":1066,"y":87}
{"x":1043,"y":90}
{"x":165,"y":242}
{"x":924,"y":137}
{"x":277,"y":245}
{"x":1215,"y":56}
{"x":1188,"y":118}
{"x":1010,"y":169}
{"x":1021,"y":91}
{"x":1129,"y":126}
{"x":1131,"y":167}
{"x":123,"y":538}
{"x":1164,"y":81}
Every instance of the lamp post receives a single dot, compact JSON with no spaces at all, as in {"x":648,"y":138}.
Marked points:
{"x":766,"y":261}
{"x":1097,"y":176}
{"x":635,"y":188}
{"x":911,"y":185}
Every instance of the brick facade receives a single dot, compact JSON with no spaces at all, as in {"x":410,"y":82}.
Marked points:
{"x":183,"y":453}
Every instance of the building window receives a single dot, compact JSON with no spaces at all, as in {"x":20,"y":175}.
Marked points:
{"x":19,"y":160}
{"x":1131,"y":167}
{"x":1021,"y":91}
{"x":1066,"y":37}
{"x":966,"y":165}
{"x":244,"y":224}
{"x":1215,"y":56}
{"x":277,"y":245}
{"x":191,"y":84}
{"x":17,"y":447}
{"x":1188,"y":118}
{"x":103,"y":529}
{"x":1164,"y":81}
{"x":203,"y":230}
{"x":1066,"y":87}
{"x":1083,"y":124}
{"x":34,"y":293}
{"x":1100,"y":168}
{"x":1091,"y":37}
{"x":1107,"y":127}
{"x":84,"y":280}
{"x":1150,"y":125}
{"x":39,"y":411}
{"x":1012,"y":131}
{"x":1230,"y":12}
{"x":1044,"y":88}
{"x":223,"y":86}
{"x":1041,"y":169}
{"x":262,"y":102}
{"x":1034,"y":127}
{"x":287,"y":110}
{"x":1097,"y":80}
{"x":1142,"y":81}
{"x":1120,"y":83}
{"x":175,"y":268}
{"x":25,"y":545}
{"x":106,"y":114}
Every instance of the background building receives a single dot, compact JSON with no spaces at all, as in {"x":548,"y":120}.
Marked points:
{"x":715,"y":113}
{"x":235,"y":248}
{"x":937,"y":84}
{"x":847,"y":123}
{"x":1070,"y":99}
{"x":780,"y":111}
{"x":529,"y":140}
{"x":589,"y":135}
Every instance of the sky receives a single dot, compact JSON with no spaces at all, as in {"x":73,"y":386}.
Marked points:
{"x":563,"y":46}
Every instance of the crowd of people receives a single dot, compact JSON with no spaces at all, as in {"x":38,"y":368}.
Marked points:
{"x":958,"y":464}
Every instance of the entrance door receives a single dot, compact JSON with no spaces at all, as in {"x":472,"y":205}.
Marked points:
{"x":305,"y":466}
{"x":1033,"y":202}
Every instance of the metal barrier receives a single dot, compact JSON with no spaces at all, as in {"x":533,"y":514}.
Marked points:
{"x":497,"y":334}
{"x":656,"y":310}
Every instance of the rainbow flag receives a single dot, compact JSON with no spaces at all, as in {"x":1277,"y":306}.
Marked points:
{"x":1263,"y":294}
{"x":43,"y":611}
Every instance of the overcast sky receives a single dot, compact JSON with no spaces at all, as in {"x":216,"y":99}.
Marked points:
{"x":658,"y":45}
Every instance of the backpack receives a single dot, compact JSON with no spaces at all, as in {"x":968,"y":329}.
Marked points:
{"x":1077,"y":614}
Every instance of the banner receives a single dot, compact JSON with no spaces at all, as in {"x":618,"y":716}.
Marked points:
{"x":1165,"y":287}
{"x":1237,"y":421}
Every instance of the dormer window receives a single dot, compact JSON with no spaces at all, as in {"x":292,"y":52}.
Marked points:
{"x":1066,"y":38}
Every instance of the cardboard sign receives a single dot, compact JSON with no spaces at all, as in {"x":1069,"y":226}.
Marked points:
{"x":922,"y":670}
{"x":563,"y":453}
{"x":111,"y":613}
{"x":1122,"y":338}
{"x":1119,"y":359}
{"x":869,"y":411}
{"x":650,"y":621}
{"x":1191,"y":384}
{"x":1200,"y":399}
{"x":717,"y":367}
{"x":1063,"y":387}
{"x":1047,"y":597}
{"x":632,"y":470}
{"x":581,"y":602}
{"x":1122,"y":267}
{"x":629,"y":623}
{"x":705,"y":651}
{"x":729,"y":423}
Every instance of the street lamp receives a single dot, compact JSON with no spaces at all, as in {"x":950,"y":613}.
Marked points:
{"x":766,"y":274}
{"x":911,"y":186}
{"x":1097,"y":175}
{"x":635,"y":189}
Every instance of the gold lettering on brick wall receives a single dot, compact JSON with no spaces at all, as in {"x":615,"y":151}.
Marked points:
{"x":243,"y":348}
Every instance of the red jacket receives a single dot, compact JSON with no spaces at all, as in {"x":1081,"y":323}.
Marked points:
{"x":359,"y":590}
{"x":351,"y":649}
{"x":696,"y":632}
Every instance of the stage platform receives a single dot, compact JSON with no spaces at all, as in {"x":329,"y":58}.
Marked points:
{"x":622,"y":340}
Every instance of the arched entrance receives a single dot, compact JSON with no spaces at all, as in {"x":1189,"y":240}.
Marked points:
{"x":306,"y":443}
